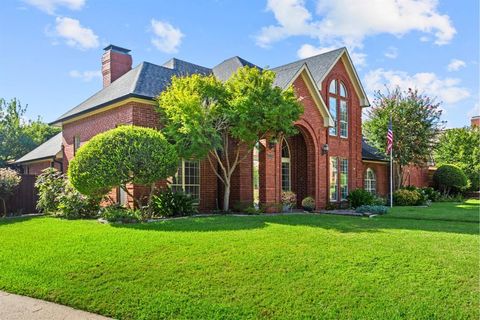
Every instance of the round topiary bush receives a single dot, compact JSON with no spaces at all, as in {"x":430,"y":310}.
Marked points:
{"x":127,"y":154}
{"x":308,"y":204}
{"x":448,"y":177}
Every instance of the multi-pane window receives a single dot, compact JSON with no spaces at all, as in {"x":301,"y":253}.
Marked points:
{"x":338,"y":107}
{"x":370,"y":182}
{"x":286,"y":175}
{"x":333,"y":179}
{"x":343,"y":179}
{"x":187,"y":178}
{"x":76,"y":144}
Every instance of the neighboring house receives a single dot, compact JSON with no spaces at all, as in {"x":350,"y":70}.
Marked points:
{"x":326,"y":159}
{"x":48,"y":154}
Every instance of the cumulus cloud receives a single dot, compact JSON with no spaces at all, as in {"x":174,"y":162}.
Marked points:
{"x":456,"y":64}
{"x":349,"y":22}
{"x":167,"y":37}
{"x":87,"y":75}
{"x":49,"y":6}
{"x":74,"y":34}
{"x":447,"y":90}
{"x":391,"y":53}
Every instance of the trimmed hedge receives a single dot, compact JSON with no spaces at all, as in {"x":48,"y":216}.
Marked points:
{"x":449,"y":177}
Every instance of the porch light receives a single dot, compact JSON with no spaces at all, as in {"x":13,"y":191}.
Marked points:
{"x":325,"y":148}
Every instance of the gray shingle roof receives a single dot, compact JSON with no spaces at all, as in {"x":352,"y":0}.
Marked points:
{"x":48,"y":149}
{"x":371,"y":153}
{"x":224,"y":70}
{"x":146,"y":80}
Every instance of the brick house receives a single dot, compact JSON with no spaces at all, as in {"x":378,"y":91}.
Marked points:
{"x":326,"y":159}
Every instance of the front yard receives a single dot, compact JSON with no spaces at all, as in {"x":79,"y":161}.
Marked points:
{"x":412,"y":263}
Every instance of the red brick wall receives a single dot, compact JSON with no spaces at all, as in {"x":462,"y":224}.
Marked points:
{"x":381,"y":173}
{"x":417,"y":176}
{"x":37,"y":167}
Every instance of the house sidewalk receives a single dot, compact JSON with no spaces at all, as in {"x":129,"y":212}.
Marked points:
{"x":15,"y":307}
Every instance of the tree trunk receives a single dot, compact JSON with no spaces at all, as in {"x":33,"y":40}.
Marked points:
{"x":4,"y":207}
{"x":226,"y":196}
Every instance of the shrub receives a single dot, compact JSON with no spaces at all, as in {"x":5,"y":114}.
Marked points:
{"x":448,"y":177}
{"x":308,"y":204}
{"x":168,"y":203}
{"x":360,"y":197}
{"x":252,"y":210}
{"x":379,"y":201}
{"x":9,"y":180}
{"x":432,"y":194}
{"x":50,"y":185}
{"x":289,"y":199}
{"x":73,"y":205}
{"x":241,"y":206}
{"x":372,"y":209}
{"x":117,"y":213}
{"x":404,"y":197}
{"x":450,"y":198}
{"x":127,"y":154}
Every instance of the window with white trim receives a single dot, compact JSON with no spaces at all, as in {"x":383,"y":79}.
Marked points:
{"x":343,"y":179}
{"x":338,"y":107}
{"x":333,"y":191}
{"x":187,"y":178}
{"x":286,"y":167}
{"x":76,"y":144}
{"x":370,"y":183}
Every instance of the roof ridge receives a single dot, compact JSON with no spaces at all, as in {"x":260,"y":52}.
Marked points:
{"x":311,"y":57}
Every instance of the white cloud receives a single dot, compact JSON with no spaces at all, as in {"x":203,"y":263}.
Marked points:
{"x":447,"y":90}
{"x":74,"y":34}
{"x":307,"y":50}
{"x":167,"y":37}
{"x":456,"y":64}
{"x":391,"y":53}
{"x":49,"y":6}
{"x":86,"y":76}
{"x":349,"y":22}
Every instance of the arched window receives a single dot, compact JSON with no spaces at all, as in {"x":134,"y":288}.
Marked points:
{"x":338,"y":106}
{"x":370,"y":181}
{"x":286,"y":172}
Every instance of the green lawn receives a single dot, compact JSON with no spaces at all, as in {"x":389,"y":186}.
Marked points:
{"x":402,"y":265}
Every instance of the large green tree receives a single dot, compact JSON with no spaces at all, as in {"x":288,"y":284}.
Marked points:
{"x":416,"y":124}
{"x":17,"y":135}
{"x":461,"y":147}
{"x":223,"y":121}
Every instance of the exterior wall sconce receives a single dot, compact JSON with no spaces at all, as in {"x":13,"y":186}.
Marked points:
{"x":325,"y":149}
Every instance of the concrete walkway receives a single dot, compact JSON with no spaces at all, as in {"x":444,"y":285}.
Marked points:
{"x":15,"y":307}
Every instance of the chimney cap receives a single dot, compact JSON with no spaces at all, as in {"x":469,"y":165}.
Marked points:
{"x":116,"y":48}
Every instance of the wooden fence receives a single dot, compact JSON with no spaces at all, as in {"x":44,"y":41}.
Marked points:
{"x":25,"y":197}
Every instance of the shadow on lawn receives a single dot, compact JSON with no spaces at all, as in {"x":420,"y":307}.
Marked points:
{"x":11,"y":220}
{"x":338,"y":223}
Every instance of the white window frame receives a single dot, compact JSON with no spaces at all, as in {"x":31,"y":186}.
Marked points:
{"x":76,"y":144}
{"x":182,"y":183}
{"x":287,"y":160}
{"x":343,"y":163}
{"x":370,"y":183}
{"x":333,"y":164}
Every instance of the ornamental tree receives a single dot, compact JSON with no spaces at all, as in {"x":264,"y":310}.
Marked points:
{"x":448,"y":177}
{"x":9,"y":180}
{"x":121,"y":156}
{"x":416,"y":124}
{"x":461,"y":147}
{"x":222,"y":122}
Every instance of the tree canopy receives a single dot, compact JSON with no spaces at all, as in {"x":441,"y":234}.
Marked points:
{"x":461,"y":147}
{"x":222,"y":121}
{"x":17,"y":135}
{"x":124,"y":155}
{"x":416,"y":124}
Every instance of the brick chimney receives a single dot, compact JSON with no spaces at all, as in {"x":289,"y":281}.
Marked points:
{"x":116,"y":61}
{"x":475,"y":121}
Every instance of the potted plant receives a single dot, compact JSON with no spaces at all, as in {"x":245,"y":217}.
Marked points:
{"x":289,"y":199}
{"x":308,"y":204}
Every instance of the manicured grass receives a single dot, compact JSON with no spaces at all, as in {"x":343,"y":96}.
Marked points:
{"x":226,"y":267}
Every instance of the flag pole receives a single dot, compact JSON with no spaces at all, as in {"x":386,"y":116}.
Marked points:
{"x":391,"y":167}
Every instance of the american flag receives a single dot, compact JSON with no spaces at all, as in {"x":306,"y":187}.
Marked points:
{"x":389,"y":137}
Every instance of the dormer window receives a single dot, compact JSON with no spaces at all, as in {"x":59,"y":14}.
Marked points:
{"x":338,"y":106}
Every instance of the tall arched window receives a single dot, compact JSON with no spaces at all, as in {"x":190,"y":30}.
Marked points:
{"x":338,"y":106}
{"x":370,"y":181}
{"x":286,"y":172}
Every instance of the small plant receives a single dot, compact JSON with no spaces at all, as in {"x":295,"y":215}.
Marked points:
{"x":308,"y":204}
{"x":50,"y":185}
{"x":379,"y":201}
{"x":73,"y":205}
{"x":241,"y":206}
{"x":289,"y":199}
{"x":169,"y":203}
{"x":448,"y":178}
{"x":404,"y":197}
{"x":373,"y":209}
{"x":432,"y":194}
{"x":252,"y":210}
{"x":331,"y":206}
{"x":117,"y":213}
{"x":9,"y":180}
{"x":360,"y":197}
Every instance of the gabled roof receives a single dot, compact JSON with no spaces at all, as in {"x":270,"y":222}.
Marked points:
{"x":48,"y":149}
{"x":371,"y":153}
{"x":224,"y":70}
{"x":146,"y":80}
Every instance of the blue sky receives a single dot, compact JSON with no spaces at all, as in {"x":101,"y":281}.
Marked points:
{"x":51,"y":49}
